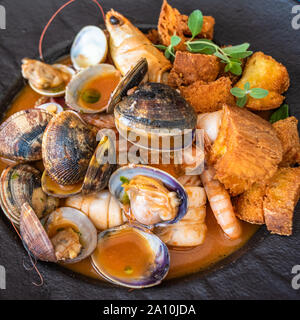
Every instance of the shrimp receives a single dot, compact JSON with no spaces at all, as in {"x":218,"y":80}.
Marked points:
{"x":128,"y":45}
{"x":102,"y":208}
{"x":191,"y":229}
{"x":219,"y":200}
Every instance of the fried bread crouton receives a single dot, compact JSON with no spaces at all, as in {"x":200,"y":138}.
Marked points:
{"x":287,"y":132}
{"x":249,"y":205}
{"x":189,"y":68}
{"x":208,"y":97}
{"x":153,"y":36}
{"x":247,"y":150}
{"x":262,"y":71}
{"x":282,"y":195}
{"x":171,"y":22}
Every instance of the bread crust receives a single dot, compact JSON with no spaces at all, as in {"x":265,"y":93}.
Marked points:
{"x":246,"y":151}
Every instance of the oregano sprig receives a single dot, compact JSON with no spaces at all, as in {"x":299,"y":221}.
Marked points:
{"x":170,"y":51}
{"x":280,"y":114}
{"x":242,"y":94}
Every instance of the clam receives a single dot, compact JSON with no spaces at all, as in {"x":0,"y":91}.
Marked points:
{"x":96,"y":178}
{"x":89,"y":47}
{"x":100,"y":168}
{"x":155,"y":112}
{"x":67,"y":147}
{"x":51,"y":107}
{"x":21,"y":135}
{"x":22,"y":183}
{"x":47,"y":80}
{"x":81,"y":97}
{"x":166,"y":204}
{"x":154,"y":258}
{"x":43,"y":242}
{"x":65,"y":217}
{"x":132,"y":79}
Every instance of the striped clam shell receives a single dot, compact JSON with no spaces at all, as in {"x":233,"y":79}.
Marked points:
{"x":99,"y":170}
{"x":68,"y":145}
{"x":21,"y":135}
{"x":22,"y":183}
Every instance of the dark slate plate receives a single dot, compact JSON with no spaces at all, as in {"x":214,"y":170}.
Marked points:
{"x":261,"y":269}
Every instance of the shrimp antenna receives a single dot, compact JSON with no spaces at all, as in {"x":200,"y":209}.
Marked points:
{"x":53,"y":17}
{"x":33,"y":262}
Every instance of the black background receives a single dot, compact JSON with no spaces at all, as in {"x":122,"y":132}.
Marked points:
{"x":264,"y":269}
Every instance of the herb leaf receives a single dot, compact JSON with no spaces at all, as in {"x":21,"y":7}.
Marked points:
{"x":124,"y":180}
{"x":236,"y":49}
{"x":238,"y":92}
{"x":258,"y":93}
{"x":280,"y":114}
{"x":235,"y":68}
{"x":169,"y":51}
{"x":175,"y":40}
{"x":195,"y":22}
{"x":242,"y":101}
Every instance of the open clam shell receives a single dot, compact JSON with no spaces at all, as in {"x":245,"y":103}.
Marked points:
{"x":52,"y":107}
{"x":78,"y":82}
{"x":34,"y":235}
{"x":22,"y":183}
{"x":86,"y":229}
{"x":132,"y":170}
{"x":100,"y":167}
{"x":89,"y":47}
{"x":156,"y":271}
{"x":55,"y":92}
{"x":21,"y":135}
{"x":67,"y":147}
{"x":132,"y":79}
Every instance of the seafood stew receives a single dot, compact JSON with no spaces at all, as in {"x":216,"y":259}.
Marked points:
{"x":229,"y":189}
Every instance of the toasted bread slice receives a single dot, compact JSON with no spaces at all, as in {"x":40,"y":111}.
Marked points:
{"x":189,"y":68}
{"x":247,"y":150}
{"x":171,"y":22}
{"x":262,"y":71}
{"x":282,"y":195}
{"x":287,"y":132}
{"x":208,"y":97}
{"x":249,"y":205}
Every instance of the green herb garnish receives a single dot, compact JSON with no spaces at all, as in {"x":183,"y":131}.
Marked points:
{"x":231,"y":56}
{"x":280,"y":114}
{"x":242,"y":94}
{"x":125,"y":199}
{"x":128,"y":270}
{"x":170,"y":51}
{"x":90,"y":95}
{"x":15,"y":175}
{"x":124,"y":180}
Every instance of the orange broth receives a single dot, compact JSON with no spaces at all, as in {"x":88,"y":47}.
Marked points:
{"x":183,"y":260}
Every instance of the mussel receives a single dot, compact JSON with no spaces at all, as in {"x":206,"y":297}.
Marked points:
{"x":67,"y":147}
{"x":89,"y":47}
{"x":22,"y":183}
{"x":84,"y":92}
{"x":149,"y":263}
{"x":21,"y":135}
{"x":156,"y":198}
{"x":68,"y":236}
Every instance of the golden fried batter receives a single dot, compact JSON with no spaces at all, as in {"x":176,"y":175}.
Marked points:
{"x":287,"y":132}
{"x":272,"y":203}
{"x":247,"y":150}
{"x":153,"y":36}
{"x":282,"y":195}
{"x":191,"y":67}
{"x":262,"y":71}
{"x":249,"y":205}
{"x":171,"y":22}
{"x":208,"y":97}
